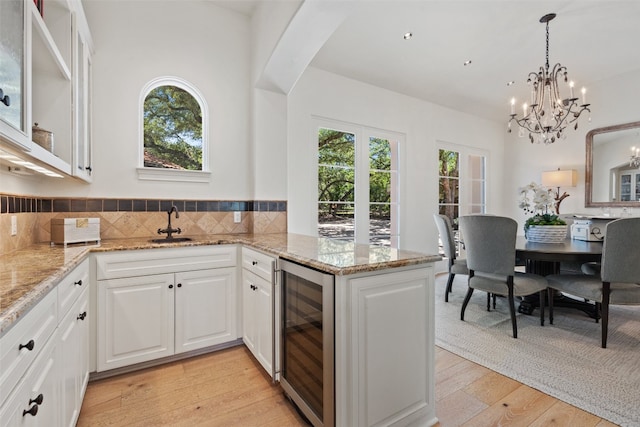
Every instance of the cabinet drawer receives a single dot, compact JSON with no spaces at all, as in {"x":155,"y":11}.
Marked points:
{"x":33,"y":331}
{"x":258,"y":263}
{"x":72,"y":286}
{"x":159,"y":261}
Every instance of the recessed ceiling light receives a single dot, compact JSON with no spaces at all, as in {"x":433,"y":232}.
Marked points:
{"x":512,"y":82}
{"x":467,"y":62}
{"x":407,"y":35}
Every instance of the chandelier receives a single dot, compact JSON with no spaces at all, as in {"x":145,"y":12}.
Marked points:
{"x":549,"y":114}
{"x":634,"y":162}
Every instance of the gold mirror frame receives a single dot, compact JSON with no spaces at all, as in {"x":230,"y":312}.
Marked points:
{"x":588,"y":176}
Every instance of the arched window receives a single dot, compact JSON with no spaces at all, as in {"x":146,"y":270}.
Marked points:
{"x":173,"y":131}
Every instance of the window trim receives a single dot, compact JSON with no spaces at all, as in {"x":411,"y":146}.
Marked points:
{"x":161,"y":174}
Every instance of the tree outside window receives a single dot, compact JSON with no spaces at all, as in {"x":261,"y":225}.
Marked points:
{"x":173,"y":129}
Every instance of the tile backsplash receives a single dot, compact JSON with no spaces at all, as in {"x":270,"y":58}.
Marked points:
{"x":135,"y":217}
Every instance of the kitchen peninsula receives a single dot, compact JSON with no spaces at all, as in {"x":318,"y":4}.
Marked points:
{"x":384,"y":331}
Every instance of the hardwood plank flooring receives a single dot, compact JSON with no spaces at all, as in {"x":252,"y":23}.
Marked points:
{"x":229,"y":388}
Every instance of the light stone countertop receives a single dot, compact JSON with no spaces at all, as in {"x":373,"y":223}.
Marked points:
{"x":27,"y":275}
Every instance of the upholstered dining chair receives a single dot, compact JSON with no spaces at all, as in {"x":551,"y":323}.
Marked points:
{"x":456,"y":265}
{"x":619,"y":280}
{"x":490,"y":243}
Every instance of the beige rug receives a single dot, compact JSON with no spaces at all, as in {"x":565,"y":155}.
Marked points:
{"x":564,"y":360}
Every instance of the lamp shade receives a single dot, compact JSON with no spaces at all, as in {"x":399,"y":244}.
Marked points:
{"x":560,"y":178}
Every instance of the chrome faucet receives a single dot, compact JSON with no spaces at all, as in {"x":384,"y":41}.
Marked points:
{"x":169,"y":230}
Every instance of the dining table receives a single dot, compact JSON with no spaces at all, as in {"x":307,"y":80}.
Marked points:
{"x":548,"y":258}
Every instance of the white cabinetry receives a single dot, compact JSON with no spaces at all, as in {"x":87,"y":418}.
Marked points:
{"x":190,"y":303}
{"x":258,"y":303}
{"x":45,"y":362}
{"x":34,"y":402}
{"x":385,"y":342}
{"x":55,"y":85}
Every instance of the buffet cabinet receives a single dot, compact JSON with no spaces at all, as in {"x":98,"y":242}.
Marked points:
{"x":157,"y":303}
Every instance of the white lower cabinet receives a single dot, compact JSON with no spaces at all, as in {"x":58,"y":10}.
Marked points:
{"x":258,"y":303}
{"x":45,"y":363}
{"x":146,"y":317}
{"x":384,"y":347}
{"x":257,"y":317}
{"x":73,"y":359}
{"x":35,"y":401}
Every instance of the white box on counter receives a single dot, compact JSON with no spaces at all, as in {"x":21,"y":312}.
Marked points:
{"x":590,"y":229}
{"x":75,"y":230}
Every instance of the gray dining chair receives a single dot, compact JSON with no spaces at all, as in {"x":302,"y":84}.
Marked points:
{"x":490,"y":243}
{"x":619,"y":280}
{"x":456,"y":265}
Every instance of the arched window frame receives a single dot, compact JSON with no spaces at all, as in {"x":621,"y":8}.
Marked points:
{"x":162,"y":174}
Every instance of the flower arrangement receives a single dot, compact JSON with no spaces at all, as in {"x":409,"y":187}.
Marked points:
{"x":537,"y":200}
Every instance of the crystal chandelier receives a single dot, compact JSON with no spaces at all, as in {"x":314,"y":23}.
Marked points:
{"x":634,"y":162}
{"x":549,"y":113}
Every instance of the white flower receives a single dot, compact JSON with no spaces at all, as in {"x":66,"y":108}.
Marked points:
{"x":535,"y":199}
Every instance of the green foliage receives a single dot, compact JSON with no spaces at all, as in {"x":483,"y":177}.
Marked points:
{"x":173,"y":128}
{"x":336,"y":174}
{"x":544,"y":219}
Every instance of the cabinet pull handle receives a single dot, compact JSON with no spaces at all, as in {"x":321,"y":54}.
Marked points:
{"x":32,"y":411}
{"x":81,"y":316}
{"x":79,"y":282}
{"x":88,"y":168}
{"x":170,"y":286}
{"x":179,"y":285}
{"x":29,"y":346}
{"x":254,"y":262}
{"x":38,"y":400}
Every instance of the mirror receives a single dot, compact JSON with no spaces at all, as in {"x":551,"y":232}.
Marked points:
{"x":609,"y":180}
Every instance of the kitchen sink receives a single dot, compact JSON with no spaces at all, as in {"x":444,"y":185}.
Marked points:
{"x":172,"y":240}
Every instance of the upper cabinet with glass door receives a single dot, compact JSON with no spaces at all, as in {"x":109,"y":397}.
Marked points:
{"x":12,"y":70}
{"x":50,"y":85}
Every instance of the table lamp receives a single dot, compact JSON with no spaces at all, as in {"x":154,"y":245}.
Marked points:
{"x":559,"y":178}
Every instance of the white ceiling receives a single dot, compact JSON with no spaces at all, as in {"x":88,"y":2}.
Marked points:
{"x":594,"y":39}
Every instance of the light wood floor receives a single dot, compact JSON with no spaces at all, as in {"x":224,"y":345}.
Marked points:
{"x":229,"y":388}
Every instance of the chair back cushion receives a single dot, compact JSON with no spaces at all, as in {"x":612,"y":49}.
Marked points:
{"x":490,"y":243}
{"x":620,"y":252}
{"x":446,"y":235}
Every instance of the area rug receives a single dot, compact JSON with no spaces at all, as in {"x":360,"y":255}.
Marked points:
{"x":564,"y":360}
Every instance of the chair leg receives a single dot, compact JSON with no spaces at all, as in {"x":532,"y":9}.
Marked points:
{"x":598,"y":312}
{"x":542,"y":307}
{"x":605,"y":312}
{"x":512,"y":310}
{"x":550,"y":298}
{"x":449,"y":285}
{"x":494,"y":301}
{"x":465,"y":302}
{"x":488,"y":301}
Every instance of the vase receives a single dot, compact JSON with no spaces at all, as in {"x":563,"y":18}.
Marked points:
{"x":546,"y":233}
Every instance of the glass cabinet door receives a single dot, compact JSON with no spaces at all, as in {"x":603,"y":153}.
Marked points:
{"x":12,"y":62}
{"x":625,"y":187}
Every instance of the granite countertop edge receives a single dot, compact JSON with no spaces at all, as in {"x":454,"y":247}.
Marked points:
{"x":73,"y":256}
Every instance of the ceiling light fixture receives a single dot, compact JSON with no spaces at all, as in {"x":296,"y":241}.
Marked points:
{"x":408,"y":35}
{"x":549,"y":113}
{"x":467,"y":62}
{"x":634,"y":162}
{"x":511,"y":83}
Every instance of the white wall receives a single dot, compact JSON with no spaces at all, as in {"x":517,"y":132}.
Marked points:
{"x":137,"y":41}
{"x":331,"y":96}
